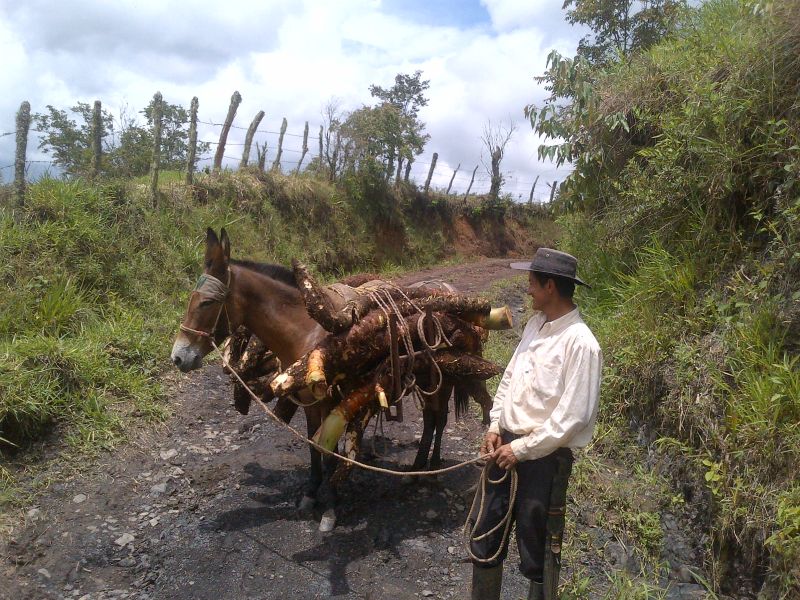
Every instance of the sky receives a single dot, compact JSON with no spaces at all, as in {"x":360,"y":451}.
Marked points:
{"x":290,"y":58}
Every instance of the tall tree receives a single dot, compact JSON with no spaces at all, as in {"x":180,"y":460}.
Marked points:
{"x":407,"y":137}
{"x":620,"y":28}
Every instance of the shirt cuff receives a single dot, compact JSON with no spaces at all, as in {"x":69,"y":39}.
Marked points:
{"x":519,"y":449}
{"x":494,"y":427}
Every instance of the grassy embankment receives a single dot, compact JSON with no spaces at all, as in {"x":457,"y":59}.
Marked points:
{"x":690,"y":232}
{"x":95,"y":281}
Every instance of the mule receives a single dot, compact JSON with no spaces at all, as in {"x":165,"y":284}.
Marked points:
{"x":266,"y":300}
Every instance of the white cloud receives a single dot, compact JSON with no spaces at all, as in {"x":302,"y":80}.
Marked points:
{"x":288,"y":59}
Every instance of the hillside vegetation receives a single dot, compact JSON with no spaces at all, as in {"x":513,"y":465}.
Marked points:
{"x":685,"y":211}
{"x":95,"y":279}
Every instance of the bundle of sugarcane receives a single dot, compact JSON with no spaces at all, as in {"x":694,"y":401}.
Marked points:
{"x":439,"y":332}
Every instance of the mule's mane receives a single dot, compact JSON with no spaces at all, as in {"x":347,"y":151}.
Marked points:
{"x":277,"y":272}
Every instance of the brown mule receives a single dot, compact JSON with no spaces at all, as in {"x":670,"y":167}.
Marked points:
{"x":265,"y":299}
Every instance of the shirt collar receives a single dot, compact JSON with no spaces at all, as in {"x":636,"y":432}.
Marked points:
{"x":561,"y":323}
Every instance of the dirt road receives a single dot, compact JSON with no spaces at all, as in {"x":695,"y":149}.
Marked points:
{"x":205,"y":508}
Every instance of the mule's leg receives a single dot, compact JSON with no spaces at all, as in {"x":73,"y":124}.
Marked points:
{"x":441,"y":422}
{"x":329,"y":495}
{"x":308,"y":500}
{"x":429,"y":416}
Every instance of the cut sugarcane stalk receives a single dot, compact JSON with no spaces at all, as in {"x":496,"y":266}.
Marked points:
{"x":316,"y":380}
{"x":497,"y":319}
{"x":335,"y":423}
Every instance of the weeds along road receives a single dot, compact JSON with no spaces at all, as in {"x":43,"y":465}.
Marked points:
{"x":203,"y":507}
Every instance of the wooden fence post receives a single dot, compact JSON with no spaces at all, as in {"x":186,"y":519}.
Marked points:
{"x":192,"y":141}
{"x":277,"y":163}
{"x":535,"y":181}
{"x":305,"y":148}
{"x":23,"y":125}
{"x":154,"y":165}
{"x":248,"y":140}
{"x":469,"y":187}
{"x":97,"y":138}
{"x":261,"y":153}
{"x":553,"y":191}
{"x":236,"y":100}
{"x":430,"y":171}
{"x":319,"y":156}
{"x":452,"y":178}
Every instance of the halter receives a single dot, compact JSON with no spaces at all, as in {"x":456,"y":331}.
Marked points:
{"x":212,"y":288}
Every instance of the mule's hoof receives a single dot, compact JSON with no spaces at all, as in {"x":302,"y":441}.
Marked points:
{"x":306,"y":505}
{"x":328,"y":521}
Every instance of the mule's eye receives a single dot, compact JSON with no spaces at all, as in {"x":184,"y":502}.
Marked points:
{"x":206,"y":302}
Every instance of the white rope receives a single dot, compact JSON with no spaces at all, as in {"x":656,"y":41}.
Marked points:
{"x":505,"y":522}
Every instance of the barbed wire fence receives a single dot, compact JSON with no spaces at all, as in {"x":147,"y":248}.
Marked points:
{"x":415,"y":169}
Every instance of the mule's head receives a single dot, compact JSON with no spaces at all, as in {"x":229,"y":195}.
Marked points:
{"x":206,"y":315}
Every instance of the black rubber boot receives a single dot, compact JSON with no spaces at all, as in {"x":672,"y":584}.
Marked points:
{"x":536,"y":591}
{"x":486,"y":582}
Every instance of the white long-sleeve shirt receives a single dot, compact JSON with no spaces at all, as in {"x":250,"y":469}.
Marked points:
{"x":550,"y":390}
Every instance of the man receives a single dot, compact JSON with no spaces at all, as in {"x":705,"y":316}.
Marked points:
{"x":545,"y":405}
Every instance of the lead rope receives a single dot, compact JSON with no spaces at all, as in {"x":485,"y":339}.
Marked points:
{"x":505,"y":522}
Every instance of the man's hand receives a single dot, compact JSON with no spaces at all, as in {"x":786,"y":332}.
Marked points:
{"x":491,"y":441}
{"x":504,"y":457}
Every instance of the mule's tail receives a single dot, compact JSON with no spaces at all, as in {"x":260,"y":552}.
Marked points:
{"x":475,"y":389}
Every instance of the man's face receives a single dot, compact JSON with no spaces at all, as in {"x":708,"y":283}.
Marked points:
{"x":538,"y":293}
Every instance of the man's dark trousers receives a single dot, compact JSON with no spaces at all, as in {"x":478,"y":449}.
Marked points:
{"x":535,"y":482}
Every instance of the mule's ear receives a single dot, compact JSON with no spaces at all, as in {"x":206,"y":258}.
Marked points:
{"x":226,"y":244}
{"x":211,"y":238}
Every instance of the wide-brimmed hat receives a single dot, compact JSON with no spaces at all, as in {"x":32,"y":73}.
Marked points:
{"x":552,"y":262}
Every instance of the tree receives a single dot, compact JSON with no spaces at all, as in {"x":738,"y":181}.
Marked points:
{"x":68,"y":142}
{"x":619,"y":30}
{"x":407,"y":137}
{"x":495,"y":138}
{"x":621,"y":27}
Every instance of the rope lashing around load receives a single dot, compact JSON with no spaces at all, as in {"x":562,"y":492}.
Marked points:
{"x":385,"y":301}
{"x":327,"y":452}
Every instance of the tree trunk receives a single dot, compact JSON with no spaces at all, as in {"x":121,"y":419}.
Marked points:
{"x":155,"y":164}
{"x":23,"y":125}
{"x":320,"y":162}
{"x":430,"y":171}
{"x":305,"y":148}
{"x":469,"y":187}
{"x":497,"y":180}
{"x":261,"y":153}
{"x":97,"y":138}
{"x":277,"y":163}
{"x":236,"y":100}
{"x":535,"y":181}
{"x":190,"y":161}
{"x":248,"y":140}
{"x":452,"y":178}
